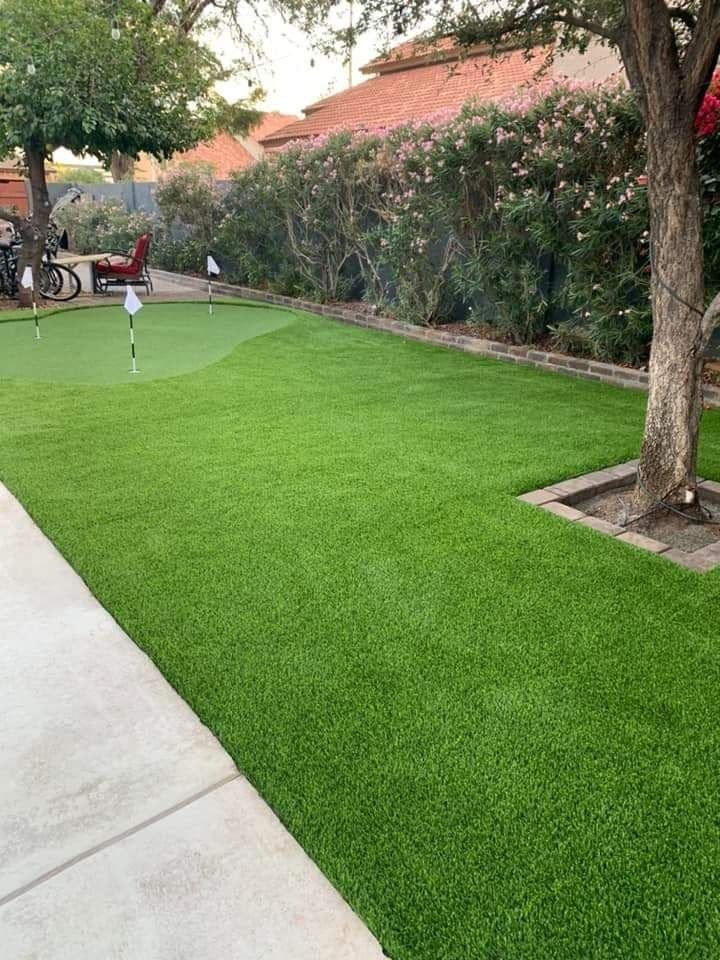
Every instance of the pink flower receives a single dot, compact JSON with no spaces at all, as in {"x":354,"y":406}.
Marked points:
{"x":706,"y":121}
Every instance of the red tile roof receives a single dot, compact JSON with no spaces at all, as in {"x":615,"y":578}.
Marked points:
{"x":396,"y":58}
{"x":413,"y":87}
{"x":270,"y":122}
{"x":223,"y":154}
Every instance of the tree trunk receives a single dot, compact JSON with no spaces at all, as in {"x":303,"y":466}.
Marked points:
{"x":669,"y":449}
{"x":34,"y":228}
{"x":122,"y":166}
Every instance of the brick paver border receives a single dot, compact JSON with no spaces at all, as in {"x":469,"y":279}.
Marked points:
{"x":561,"y":499}
{"x":364,"y":316}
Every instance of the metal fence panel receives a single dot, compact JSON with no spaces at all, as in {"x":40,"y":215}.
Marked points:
{"x":134,"y":196}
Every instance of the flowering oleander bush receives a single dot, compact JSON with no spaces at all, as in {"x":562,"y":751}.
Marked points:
{"x":513,"y":214}
{"x":296,"y":222}
{"x":409,"y":247}
{"x":190,"y":206}
{"x":529,"y":215}
{"x":95,"y":226}
{"x":707,"y":125}
{"x":251,"y":235}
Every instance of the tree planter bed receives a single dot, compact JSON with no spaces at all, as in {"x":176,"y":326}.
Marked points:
{"x":587,"y":500}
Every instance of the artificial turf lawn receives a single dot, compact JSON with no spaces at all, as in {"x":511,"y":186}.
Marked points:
{"x":92,"y":344}
{"x":496,"y":732}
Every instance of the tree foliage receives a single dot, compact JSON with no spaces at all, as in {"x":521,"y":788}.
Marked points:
{"x":66,"y":82}
{"x":244,"y":19}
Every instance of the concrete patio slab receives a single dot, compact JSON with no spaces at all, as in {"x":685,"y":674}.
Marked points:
{"x":163,"y":285}
{"x":126,"y":831}
{"x":219,"y":878}
{"x":94,"y":739}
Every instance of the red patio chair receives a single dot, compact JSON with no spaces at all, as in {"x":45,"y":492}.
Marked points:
{"x":119,"y":269}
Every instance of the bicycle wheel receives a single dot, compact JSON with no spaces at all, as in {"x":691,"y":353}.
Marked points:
{"x":58,"y":282}
{"x":8,"y":273}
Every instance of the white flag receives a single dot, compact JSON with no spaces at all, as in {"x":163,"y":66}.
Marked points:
{"x":212,"y":268}
{"x":132,"y":302}
{"x":27,"y":278}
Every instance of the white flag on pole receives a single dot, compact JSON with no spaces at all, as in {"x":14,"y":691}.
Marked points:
{"x":27,"y":278}
{"x":212,"y":268}
{"x":132,"y":302}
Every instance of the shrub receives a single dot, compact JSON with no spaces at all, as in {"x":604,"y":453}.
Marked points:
{"x":472,"y":215}
{"x":411,"y":242}
{"x":95,"y":226}
{"x":314,"y":204}
{"x":528,"y":215}
{"x":251,"y":238}
{"x":190,"y":210}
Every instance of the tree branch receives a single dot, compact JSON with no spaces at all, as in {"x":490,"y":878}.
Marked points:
{"x":701,"y":54}
{"x":590,"y":25}
{"x":685,"y":16}
{"x":192,"y":14}
{"x":536,"y":14}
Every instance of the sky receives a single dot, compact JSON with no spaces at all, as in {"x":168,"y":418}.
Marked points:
{"x":284,"y":68}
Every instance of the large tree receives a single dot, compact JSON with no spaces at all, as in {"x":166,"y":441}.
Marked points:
{"x":669,"y":51}
{"x":244,"y":21}
{"x":95,"y":76}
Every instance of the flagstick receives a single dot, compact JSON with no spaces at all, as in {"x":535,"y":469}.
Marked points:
{"x":212,"y":270}
{"x":132,"y":344}
{"x":28,"y":283}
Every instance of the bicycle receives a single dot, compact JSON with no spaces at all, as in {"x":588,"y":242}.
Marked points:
{"x":56,"y":282}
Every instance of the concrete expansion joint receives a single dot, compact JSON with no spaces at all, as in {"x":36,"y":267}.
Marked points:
{"x":117,"y":838}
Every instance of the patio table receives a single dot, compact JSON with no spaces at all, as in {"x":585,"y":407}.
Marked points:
{"x":92,"y":258}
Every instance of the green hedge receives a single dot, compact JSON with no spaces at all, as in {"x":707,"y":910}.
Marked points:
{"x":527,"y":215}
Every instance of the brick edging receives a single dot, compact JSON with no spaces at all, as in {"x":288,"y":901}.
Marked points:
{"x":527,"y":356}
{"x":562,"y":499}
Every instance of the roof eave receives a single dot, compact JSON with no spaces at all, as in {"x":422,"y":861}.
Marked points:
{"x":431,"y":55}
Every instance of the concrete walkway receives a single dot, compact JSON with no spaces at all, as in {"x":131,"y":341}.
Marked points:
{"x":164,"y":284}
{"x":125,"y":829}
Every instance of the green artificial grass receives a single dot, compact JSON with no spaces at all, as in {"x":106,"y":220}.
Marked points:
{"x":496,"y":732}
{"x":92,"y":344}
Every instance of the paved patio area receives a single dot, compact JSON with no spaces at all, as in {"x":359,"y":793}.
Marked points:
{"x":164,"y":284}
{"x":125,"y":829}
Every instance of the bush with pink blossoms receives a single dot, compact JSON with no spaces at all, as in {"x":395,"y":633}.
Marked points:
{"x":527,"y":215}
{"x":295,"y":222}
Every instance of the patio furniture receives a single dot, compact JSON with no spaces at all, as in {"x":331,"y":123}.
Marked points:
{"x":75,"y":260}
{"x":119,"y":269}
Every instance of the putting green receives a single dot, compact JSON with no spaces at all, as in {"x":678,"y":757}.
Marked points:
{"x":92,"y":344}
